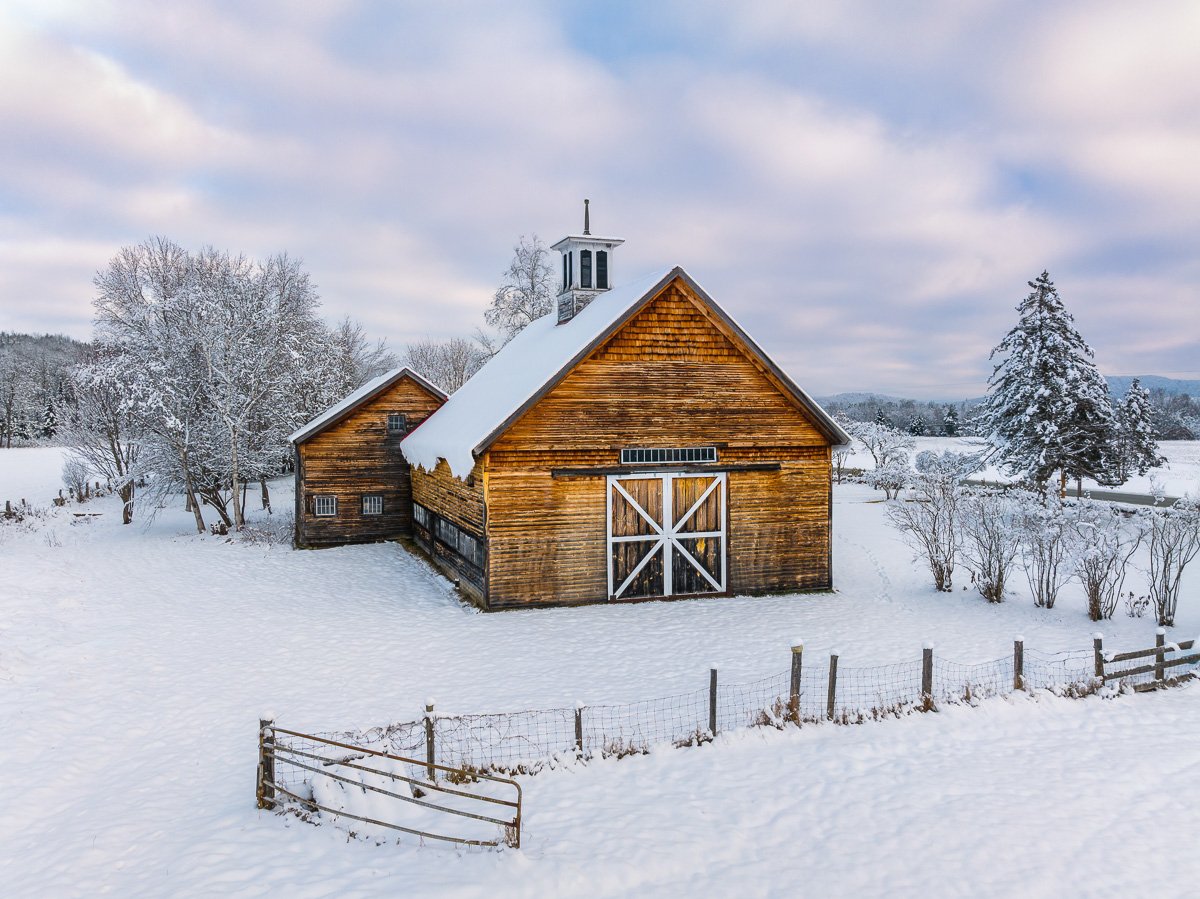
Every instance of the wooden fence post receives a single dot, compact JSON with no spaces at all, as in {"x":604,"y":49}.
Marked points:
{"x":266,"y":763}
{"x":797,"y":667}
{"x":579,"y":727}
{"x":927,"y":675}
{"x":1160,"y":654}
{"x":712,"y":700}
{"x":831,"y":700}
{"x":1019,"y":663}
{"x":429,"y":757}
{"x":1098,"y":650}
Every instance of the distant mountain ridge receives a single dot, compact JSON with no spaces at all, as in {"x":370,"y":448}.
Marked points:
{"x":1117,"y":385}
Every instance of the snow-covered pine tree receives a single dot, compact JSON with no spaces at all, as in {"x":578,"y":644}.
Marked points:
{"x":881,"y":419}
{"x":950,"y":425}
{"x":1137,"y":448}
{"x":49,"y":425}
{"x":917,"y":426}
{"x":1047,"y":408}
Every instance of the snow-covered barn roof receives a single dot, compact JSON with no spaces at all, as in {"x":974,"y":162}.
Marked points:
{"x":367,"y":392}
{"x":539,"y":357}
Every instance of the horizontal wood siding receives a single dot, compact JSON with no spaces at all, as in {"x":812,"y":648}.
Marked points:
{"x":357,"y":457}
{"x":670,"y":377}
{"x":451,"y":497}
{"x":460,"y":502}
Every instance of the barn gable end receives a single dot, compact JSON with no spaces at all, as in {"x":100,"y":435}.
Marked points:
{"x":352,"y":481}
{"x":672,"y":375}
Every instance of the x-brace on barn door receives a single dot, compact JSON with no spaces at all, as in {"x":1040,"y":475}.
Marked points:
{"x":666,"y":534}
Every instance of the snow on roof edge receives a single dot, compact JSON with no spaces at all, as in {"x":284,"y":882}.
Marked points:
{"x":519,"y":371}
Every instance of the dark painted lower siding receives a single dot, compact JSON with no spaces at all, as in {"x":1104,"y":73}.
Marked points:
{"x":458,"y":552}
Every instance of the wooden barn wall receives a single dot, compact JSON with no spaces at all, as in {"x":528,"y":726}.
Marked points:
{"x":453,"y":498}
{"x":357,"y":457}
{"x":670,"y":377}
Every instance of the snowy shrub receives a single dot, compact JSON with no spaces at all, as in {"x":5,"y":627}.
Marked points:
{"x":891,"y":478}
{"x":929,"y":521}
{"x":991,"y":540}
{"x":1048,"y":544}
{"x":1136,"y":606}
{"x":1106,"y":543}
{"x":274,"y":530}
{"x":75,"y":477}
{"x":1173,"y":540}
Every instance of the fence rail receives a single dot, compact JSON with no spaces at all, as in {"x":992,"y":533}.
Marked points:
{"x":426,"y":754}
{"x":321,"y":774}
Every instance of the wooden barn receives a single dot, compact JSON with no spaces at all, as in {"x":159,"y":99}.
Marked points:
{"x":637,"y":444}
{"x":352,"y":481}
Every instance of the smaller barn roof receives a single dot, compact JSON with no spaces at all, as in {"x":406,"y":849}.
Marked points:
{"x":367,"y":392}
{"x":537,"y":358}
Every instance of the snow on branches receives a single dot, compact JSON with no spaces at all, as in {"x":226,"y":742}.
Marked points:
{"x":1048,"y":408}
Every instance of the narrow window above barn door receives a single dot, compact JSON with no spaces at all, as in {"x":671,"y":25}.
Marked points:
{"x":668,"y":455}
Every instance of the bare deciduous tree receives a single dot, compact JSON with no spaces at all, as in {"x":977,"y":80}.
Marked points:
{"x":991,"y":541}
{"x":930,"y":520}
{"x":102,"y":432}
{"x":1173,"y":540}
{"x":1107,"y":542}
{"x":447,"y":363}
{"x":527,"y":292}
{"x":1048,"y":544}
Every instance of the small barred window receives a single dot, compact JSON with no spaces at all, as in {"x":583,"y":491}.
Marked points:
{"x":668,"y":455}
{"x":372,"y":505}
{"x":325,"y":506}
{"x":397,"y":423}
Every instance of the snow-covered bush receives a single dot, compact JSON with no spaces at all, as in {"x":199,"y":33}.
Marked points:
{"x":891,"y":478}
{"x":1106,"y":541}
{"x":1173,"y":540}
{"x":991,"y":540}
{"x":1048,"y":544}
{"x":930,"y":521}
{"x":75,"y":477}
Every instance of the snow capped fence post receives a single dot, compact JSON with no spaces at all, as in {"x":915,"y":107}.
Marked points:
{"x":831,"y":702}
{"x":927,"y":676}
{"x":712,"y":700}
{"x":794,"y":689}
{"x":579,"y":727}
{"x":1160,"y":654}
{"x":266,"y":763}
{"x":1019,"y":663}
{"x":1098,"y":649}
{"x":430,"y":761}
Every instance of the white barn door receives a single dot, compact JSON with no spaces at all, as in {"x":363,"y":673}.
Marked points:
{"x":666,"y":534}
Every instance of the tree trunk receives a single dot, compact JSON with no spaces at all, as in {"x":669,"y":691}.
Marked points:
{"x":191,"y":495}
{"x":234,"y":484}
{"x":127,"y":502}
{"x":266,"y":497}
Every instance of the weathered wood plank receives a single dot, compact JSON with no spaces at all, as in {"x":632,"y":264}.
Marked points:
{"x":357,"y":457}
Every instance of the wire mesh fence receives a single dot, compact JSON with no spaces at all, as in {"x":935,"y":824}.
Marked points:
{"x":812,"y":691}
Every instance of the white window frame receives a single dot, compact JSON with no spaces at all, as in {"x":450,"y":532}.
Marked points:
{"x":375,"y":500}
{"x":325,"y":505}
{"x":668,"y":533}
{"x":403,"y":429}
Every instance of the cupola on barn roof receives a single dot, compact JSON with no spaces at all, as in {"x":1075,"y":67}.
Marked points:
{"x":586,"y":268}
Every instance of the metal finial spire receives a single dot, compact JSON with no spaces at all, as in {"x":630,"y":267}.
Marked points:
{"x":587,"y":220}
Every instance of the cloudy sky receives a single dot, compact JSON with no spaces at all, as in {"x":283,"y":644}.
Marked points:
{"x":866,"y":187}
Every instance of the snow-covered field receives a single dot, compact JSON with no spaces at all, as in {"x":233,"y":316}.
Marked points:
{"x":135,"y":662}
{"x":1179,"y":475}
